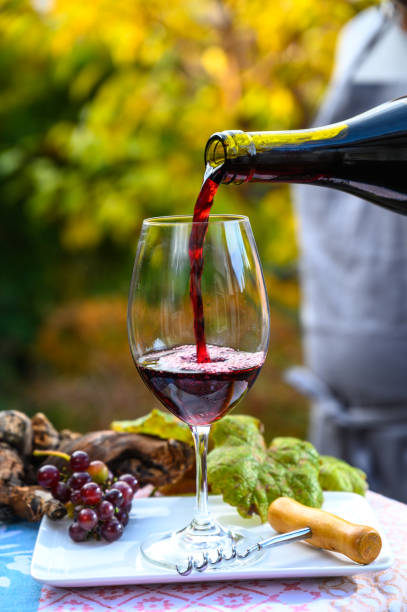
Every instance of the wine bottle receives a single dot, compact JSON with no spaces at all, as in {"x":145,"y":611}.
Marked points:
{"x":365,"y":156}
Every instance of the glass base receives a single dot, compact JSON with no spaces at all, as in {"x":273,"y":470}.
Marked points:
{"x":173,"y":549}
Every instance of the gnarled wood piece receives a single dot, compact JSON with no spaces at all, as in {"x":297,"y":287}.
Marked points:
{"x":144,"y":474}
{"x":186,"y":484}
{"x":45,"y":436}
{"x":6,"y":513}
{"x":11,"y":466}
{"x":16,"y":430}
{"x":152,"y":460}
{"x":67,"y":434}
{"x":31,"y":503}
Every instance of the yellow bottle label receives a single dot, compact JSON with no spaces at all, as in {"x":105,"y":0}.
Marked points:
{"x":295,"y":137}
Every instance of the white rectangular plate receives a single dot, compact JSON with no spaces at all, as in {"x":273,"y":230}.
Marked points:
{"x":60,"y":562}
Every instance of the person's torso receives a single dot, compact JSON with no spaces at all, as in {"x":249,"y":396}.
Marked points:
{"x":354,"y":254}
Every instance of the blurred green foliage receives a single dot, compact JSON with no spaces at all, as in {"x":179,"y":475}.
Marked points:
{"x":105,"y":109}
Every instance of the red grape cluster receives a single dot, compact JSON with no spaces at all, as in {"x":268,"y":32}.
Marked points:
{"x":98,"y":503}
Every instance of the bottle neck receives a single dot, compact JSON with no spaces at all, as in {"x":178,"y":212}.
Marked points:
{"x":258,"y":156}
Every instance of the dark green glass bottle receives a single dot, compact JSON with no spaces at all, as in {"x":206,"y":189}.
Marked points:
{"x":365,"y":156}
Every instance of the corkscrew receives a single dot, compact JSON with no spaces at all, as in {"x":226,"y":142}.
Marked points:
{"x":361,"y":543}
{"x":222,"y":557}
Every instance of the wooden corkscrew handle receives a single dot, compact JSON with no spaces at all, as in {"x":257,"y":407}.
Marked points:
{"x":358,"y":542}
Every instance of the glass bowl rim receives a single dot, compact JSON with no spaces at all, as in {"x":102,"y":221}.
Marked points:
{"x":185,"y":219}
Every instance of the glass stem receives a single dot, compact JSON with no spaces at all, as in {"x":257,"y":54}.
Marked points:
{"x":202,"y":519}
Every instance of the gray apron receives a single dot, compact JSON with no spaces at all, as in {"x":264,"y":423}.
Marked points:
{"x":354,"y":315}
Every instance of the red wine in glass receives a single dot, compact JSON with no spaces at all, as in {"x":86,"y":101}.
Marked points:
{"x":200,"y":393}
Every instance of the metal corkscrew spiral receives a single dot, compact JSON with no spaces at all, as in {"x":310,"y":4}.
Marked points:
{"x":283,"y":538}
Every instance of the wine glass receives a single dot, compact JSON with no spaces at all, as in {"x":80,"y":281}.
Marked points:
{"x":162,"y":341}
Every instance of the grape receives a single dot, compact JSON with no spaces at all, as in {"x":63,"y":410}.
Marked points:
{"x":115,"y":497}
{"x":76,"y":497}
{"x":79,"y":461}
{"x":105,"y":510}
{"x":98,"y":506}
{"x":98,"y":471}
{"x":61,"y":492}
{"x":77,"y":533}
{"x":111,"y":530}
{"x":78,"y":479}
{"x":131,"y":481}
{"x":87,"y":519}
{"x":91,"y":494}
{"x":48,"y":476}
{"x":123,"y":517}
{"x":126,"y":507}
{"x":125,"y":490}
